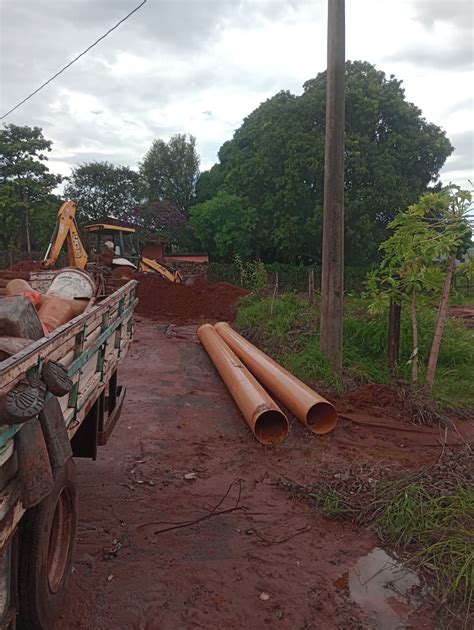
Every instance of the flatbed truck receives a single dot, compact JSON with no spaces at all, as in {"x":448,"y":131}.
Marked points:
{"x":38,"y":497}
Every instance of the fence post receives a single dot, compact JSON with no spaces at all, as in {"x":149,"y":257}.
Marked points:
{"x":311,"y":286}
{"x":275,"y":292}
{"x":394,"y":334}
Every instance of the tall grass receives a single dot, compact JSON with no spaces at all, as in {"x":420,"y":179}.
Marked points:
{"x":434,"y":528}
{"x":288,"y":327}
{"x":439,"y":529}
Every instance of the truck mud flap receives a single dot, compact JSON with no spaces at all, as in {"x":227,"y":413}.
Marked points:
{"x":112,"y":418}
{"x":55,"y":433}
{"x":35,"y":471}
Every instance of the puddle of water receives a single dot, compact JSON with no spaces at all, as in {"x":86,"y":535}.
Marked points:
{"x":381,"y":585}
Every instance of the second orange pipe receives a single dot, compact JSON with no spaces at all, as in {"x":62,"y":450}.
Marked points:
{"x":267,"y":422}
{"x":318,"y":414}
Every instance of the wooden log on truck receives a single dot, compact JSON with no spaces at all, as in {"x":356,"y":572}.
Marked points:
{"x":18,"y":318}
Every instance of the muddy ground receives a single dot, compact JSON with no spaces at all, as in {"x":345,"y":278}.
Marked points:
{"x":180,"y":450}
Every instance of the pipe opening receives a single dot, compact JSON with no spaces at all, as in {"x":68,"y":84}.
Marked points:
{"x":271,"y":427}
{"x":321,"y":418}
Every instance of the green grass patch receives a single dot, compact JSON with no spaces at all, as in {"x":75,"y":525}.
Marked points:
{"x":461,"y":298}
{"x":288,"y":328}
{"x":437,"y":529}
{"x":427,"y":516}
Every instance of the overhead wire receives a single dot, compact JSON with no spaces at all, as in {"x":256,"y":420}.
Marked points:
{"x":68,"y":65}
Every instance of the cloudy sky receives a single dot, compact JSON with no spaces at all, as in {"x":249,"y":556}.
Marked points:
{"x":200,"y":66}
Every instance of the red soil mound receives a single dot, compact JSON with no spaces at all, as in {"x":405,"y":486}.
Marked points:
{"x":27,"y":265}
{"x":125,"y":273}
{"x":374,"y":395}
{"x":465,"y":312}
{"x":180,"y":303}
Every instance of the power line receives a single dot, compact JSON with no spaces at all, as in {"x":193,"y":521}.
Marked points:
{"x":73,"y":61}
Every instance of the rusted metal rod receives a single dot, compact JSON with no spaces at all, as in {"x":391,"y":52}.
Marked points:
{"x":318,"y":414}
{"x":267,"y":422}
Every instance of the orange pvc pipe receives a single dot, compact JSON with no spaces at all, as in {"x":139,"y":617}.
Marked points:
{"x":267,"y":422}
{"x":318,"y":414}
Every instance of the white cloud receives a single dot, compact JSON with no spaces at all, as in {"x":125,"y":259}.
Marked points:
{"x":201,"y":66}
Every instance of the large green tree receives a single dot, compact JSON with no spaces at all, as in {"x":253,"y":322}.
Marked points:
{"x":27,"y":202}
{"x":170,"y":170}
{"x":163,"y":221}
{"x":275,"y":162}
{"x":101,"y":189}
{"x":225,"y":226}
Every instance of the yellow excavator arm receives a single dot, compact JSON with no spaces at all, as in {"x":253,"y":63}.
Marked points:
{"x":66,"y":230}
{"x":147,"y":264}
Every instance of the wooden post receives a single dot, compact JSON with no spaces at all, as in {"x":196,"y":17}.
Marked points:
{"x":275,"y":292}
{"x":332,"y":278}
{"x":440,"y":322}
{"x":311,"y":286}
{"x":27,"y":230}
{"x":414,"y":329}
{"x":394,"y":334}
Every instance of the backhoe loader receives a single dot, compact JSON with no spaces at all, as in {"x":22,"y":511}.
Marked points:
{"x":66,"y":230}
{"x":111,"y":252}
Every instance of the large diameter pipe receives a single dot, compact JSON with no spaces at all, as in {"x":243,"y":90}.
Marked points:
{"x":318,"y":414}
{"x":267,"y":422}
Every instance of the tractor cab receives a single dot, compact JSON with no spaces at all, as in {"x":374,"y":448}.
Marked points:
{"x":123,"y":242}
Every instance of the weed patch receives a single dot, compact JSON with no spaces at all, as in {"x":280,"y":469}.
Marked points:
{"x":427,"y":515}
{"x":288,"y":329}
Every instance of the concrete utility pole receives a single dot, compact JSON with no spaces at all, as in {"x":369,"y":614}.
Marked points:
{"x":332,"y":278}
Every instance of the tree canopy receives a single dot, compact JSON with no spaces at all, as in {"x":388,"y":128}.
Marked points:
{"x":419,"y":259}
{"x":101,"y":189}
{"x":170,"y":170}
{"x":27,"y":202}
{"x":275,"y":163}
{"x":225,"y":225}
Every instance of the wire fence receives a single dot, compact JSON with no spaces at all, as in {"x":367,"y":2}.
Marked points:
{"x":290,"y":278}
{"x":10,"y":257}
{"x":306,"y":279}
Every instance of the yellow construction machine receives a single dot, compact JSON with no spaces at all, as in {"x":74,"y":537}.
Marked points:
{"x":66,"y":230}
{"x":111,"y":239}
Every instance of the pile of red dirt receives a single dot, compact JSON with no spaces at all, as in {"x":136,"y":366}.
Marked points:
{"x":27,"y":265}
{"x":465,"y":313}
{"x":179,"y":303}
{"x":373,"y":395}
{"x":125,"y":273}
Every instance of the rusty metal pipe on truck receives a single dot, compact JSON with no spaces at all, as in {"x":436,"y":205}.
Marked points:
{"x":266,"y":421}
{"x":318,"y":414}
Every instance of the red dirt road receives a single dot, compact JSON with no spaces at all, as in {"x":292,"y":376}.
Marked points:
{"x":242,"y":569}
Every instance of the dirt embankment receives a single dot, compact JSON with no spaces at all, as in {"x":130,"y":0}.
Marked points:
{"x":27,"y":265}
{"x":465,"y":313}
{"x":180,"y":303}
{"x":188,"y":303}
{"x":161,"y":299}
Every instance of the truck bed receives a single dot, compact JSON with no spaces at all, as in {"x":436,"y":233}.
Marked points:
{"x":91,"y":347}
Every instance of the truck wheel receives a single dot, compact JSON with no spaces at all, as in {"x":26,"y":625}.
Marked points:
{"x":47,"y":536}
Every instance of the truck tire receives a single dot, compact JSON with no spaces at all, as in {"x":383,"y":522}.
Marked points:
{"x":47,"y":536}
